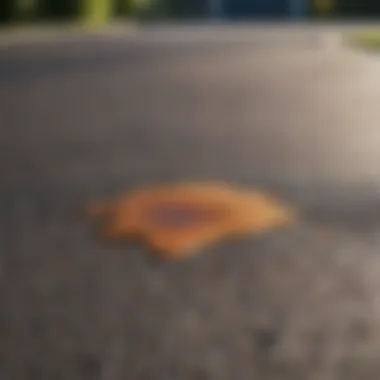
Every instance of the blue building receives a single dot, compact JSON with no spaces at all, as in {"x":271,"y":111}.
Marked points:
{"x":260,"y":9}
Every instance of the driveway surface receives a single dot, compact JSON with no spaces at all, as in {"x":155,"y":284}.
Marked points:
{"x":281,"y":107}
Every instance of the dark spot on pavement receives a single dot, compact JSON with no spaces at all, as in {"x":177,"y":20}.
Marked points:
{"x":266,"y":339}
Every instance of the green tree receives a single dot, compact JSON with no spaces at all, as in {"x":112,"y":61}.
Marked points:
{"x":25,"y":9}
{"x":89,"y":12}
{"x":123,"y":7}
{"x":57,"y":9}
{"x":17,"y":10}
{"x":186,"y":8}
{"x":148,"y":9}
{"x":95,"y":12}
{"x":358,"y":8}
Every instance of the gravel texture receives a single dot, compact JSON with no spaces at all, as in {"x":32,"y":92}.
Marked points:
{"x":91,"y":119}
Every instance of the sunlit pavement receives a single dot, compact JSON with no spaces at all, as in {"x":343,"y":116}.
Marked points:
{"x":285,"y":108}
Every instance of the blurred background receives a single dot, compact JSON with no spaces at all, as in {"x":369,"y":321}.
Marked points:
{"x":102,"y":11}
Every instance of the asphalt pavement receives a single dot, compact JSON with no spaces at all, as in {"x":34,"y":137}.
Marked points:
{"x":283,"y":108}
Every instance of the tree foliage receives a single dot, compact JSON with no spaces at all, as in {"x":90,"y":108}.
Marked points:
{"x":99,"y":10}
{"x":358,"y":8}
